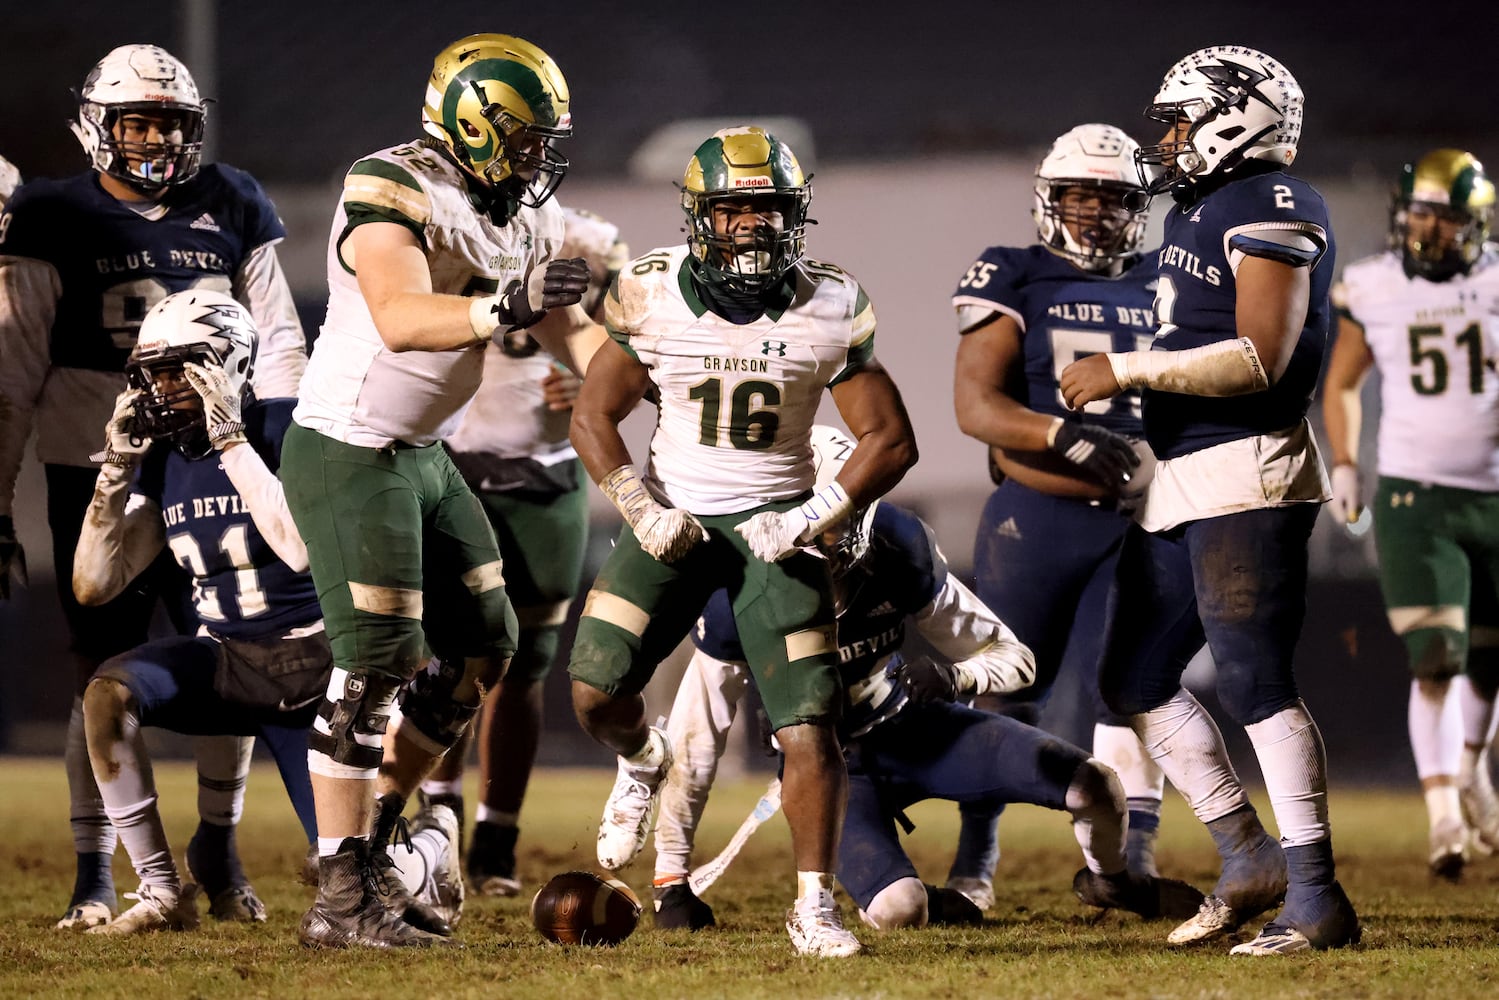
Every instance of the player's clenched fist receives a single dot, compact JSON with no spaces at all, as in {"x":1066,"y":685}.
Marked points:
{"x":1088,"y":379}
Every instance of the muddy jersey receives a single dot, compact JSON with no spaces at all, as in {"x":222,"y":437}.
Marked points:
{"x":1434,"y":343}
{"x":358,"y":391}
{"x":737,"y":401}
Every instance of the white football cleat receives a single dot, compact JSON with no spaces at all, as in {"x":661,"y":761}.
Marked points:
{"x":1214,"y":919}
{"x":980,"y":891}
{"x":816,"y":928}
{"x":1481,"y":808}
{"x":627,"y":814}
{"x":1448,"y":852}
{"x":82,"y":916}
{"x":157,"y":909}
{"x":1274,"y":940}
{"x":443,"y":887}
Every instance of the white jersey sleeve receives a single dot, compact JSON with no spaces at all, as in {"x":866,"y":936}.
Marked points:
{"x":737,"y":401}
{"x":1433,"y":343}
{"x":356,"y":390}
{"x":281,"y":357}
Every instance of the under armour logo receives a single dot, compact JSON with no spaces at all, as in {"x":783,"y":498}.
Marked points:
{"x":778,"y":346}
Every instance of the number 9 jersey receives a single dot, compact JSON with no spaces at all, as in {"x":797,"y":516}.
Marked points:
{"x":737,"y":400}
{"x":1434,"y":344}
{"x":1064,"y":313}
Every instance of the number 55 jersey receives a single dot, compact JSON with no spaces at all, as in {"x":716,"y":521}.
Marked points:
{"x":1434,"y":344}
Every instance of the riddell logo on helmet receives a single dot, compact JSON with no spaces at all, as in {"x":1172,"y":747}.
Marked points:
{"x":753,"y":182}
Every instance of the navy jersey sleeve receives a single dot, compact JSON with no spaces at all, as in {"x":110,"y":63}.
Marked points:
{"x":992,"y":284}
{"x":149,"y":478}
{"x":1275,"y":216}
{"x":716,"y":633}
{"x":260,"y":224}
{"x":266,"y":421}
{"x":30,"y":225}
{"x":909,"y":560}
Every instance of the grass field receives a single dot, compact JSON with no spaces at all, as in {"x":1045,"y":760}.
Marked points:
{"x":1420,"y":938}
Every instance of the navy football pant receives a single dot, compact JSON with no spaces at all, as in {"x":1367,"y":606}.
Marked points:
{"x":940,"y":751}
{"x":1236,"y":582}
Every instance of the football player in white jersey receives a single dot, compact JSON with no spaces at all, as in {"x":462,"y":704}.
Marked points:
{"x":437,"y":247}
{"x":737,"y":333}
{"x":513,"y":452}
{"x":1426,"y":313}
{"x":82,"y":261}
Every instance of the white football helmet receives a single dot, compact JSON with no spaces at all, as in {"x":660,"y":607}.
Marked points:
{"x":1100,"y":157}
{"x":142,"y":79}
{"x":830,"y":449}
{"x":197,"y":326}
{"x":1240,"y":105}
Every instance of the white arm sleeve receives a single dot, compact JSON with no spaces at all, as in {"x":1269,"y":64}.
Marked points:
{"x":121,"y":536}
{"x":29,"y":290}
{"x":266,"y":499}
{"x":282,"y":356}
{"x":988,"y":655}
{"x":1225,"y":368}
{"x":698,"y":728}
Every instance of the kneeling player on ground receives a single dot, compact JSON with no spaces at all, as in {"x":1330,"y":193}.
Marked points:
{"x":189,"y":465}
{"x":905,"y":738}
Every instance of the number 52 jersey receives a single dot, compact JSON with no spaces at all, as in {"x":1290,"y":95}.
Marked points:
{"x":737,"y":401}
{"x":1434,"y":344}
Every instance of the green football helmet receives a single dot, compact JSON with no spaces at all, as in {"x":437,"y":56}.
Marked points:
{"x":738,"y":164}
{"x":1441,"y":213}
{"x":498,"y":103}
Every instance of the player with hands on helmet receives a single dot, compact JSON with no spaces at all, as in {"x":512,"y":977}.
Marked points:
{"x":188,"y":468}
{"x":1064,"y":478}
{"x":1219,"y":554}
{"x":1418,"y":312}
{"x":738,"y":333}
{"x":70,"y":309}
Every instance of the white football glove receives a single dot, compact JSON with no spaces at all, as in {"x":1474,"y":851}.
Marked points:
{"x":772,"y":535}
{"x":667,"y":533}
{"x":221,"y":404}
{"x":122,"y":447}
{"x":1346,"y":503}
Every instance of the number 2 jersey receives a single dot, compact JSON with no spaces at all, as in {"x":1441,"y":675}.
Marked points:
{"x":356,"y":389}
{"x":1434,"y":344}
{"x":1064,"y":313}
{"x":241,"y":588}
{"x":737,"y":401}
{"x":80,"y":269}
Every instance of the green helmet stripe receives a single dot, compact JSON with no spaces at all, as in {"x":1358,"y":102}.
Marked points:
{"x":518,"y":77}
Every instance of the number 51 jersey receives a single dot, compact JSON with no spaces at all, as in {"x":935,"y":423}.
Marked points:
{"x":1434,"y":344}
{"x":737,"y":401}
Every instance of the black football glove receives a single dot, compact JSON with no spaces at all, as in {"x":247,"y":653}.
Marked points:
{"x":927,"y":680}
{"x":1104,"y":455}
{"x":523,"y":304}
{"x":12,"y":558}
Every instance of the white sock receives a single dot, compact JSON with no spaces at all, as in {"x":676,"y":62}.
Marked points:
{"x":651,"y":756}
{"x":1120,"y":750}
{"x":1294,"y":765}
{"x":1182,"y":738}
{"x":92,"y":831}
{"x":223,"y":770}
{"x":128,"y":790}
{"x":1099,"y":821}
{"x":1443,"y":806}
{"x":1436,"y":731}
{"x":432,"y":787}
{"x":484,"y":814}
{"x":1478,"y":719}
{"x":328,"y":846}
{"x":810,"y":884}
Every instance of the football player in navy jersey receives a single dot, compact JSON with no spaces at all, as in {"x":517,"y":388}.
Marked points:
{"x":82,"y":260}
{"x":1024,"y":313}
{"x":1220,"y":553}
{"x":189,"y":469}
{"x":905,"y":738}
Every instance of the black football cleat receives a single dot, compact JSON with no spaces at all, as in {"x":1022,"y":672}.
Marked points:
{"x":679,"y":908}
{"x":349,"y":912}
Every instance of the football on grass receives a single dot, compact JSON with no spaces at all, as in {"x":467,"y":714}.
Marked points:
{"x":583,"y":908}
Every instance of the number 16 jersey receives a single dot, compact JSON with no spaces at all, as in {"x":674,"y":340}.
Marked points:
{"x":737,"y":401}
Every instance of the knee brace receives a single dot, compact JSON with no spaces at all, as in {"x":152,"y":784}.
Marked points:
{"x":353,"y":718}
{"x":441,"y":701}
{"x":902,"y":903}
